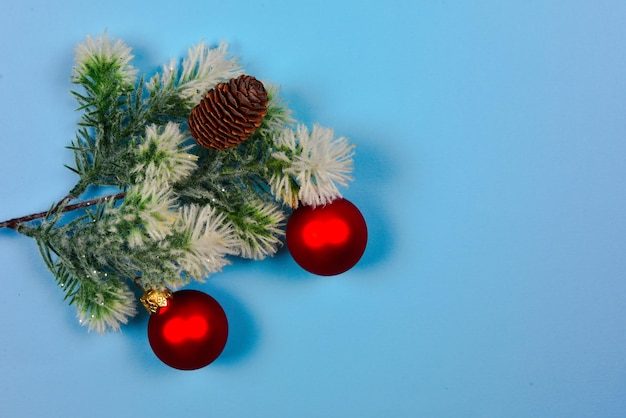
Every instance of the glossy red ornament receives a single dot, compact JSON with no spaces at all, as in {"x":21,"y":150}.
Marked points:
{"x":190,"y":332}
{"x":327,"y":240}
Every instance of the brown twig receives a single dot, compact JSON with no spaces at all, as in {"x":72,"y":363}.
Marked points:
{"x":15,"y":222}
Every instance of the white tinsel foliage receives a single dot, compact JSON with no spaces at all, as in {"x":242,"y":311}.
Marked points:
{"x":163,"y":156}
{"x":200,"y":71}
{"x":260,"y":230}
{"x":104,"y":305}
{"x":104,"y":53}
{"x":314,"y":163}
{"x":186,"y":211}
{"x":203,"y":239}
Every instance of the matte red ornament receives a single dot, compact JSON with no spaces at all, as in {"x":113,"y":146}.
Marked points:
{"x":327,"y":240}
{"x":189,"y":332}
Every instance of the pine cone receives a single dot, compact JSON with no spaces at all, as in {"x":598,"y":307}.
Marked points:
{"x":229,"y":113}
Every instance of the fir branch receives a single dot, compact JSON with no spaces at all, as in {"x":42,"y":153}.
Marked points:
{"x":183,"y":211}
{"x":105,"y":150}
{"x":61,"y":206}
{"x":259,"y":227}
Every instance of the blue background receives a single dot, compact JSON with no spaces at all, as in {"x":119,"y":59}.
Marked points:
{"x":490,"y":168}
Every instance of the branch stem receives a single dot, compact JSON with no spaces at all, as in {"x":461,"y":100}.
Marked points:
{"x":16,"y":222}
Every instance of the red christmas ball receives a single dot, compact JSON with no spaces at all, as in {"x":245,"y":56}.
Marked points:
{"x":327,"y":240}
{"x":190,"y":332}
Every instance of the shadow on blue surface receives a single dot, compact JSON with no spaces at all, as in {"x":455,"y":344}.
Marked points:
{"x":374,"y":174}
{"x":242,"y":330}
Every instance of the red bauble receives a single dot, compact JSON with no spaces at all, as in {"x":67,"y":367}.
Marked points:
{"x":190,"y":332}
{"x":329,"y":239}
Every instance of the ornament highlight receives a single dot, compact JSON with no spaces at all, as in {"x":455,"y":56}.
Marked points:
{"x":327,"y":240}
{"x":189,"y":332}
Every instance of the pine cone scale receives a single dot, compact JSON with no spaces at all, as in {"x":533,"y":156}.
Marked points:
{"x":229,"y":113}
{"x":231,"y":99}
{"x":243,"y":100}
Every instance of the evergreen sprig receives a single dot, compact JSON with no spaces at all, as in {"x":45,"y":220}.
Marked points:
{"x":180,"y":212}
